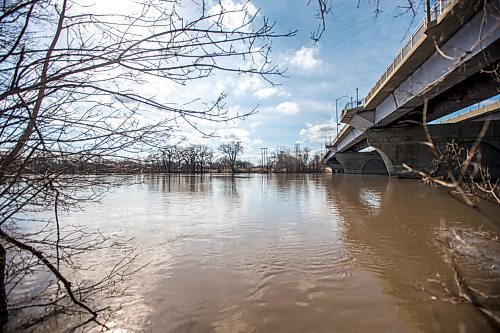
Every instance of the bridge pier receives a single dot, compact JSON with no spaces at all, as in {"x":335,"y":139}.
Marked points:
{"x":365,"y":163}
{"x":335,"y":165}
{"x":407,"y":145}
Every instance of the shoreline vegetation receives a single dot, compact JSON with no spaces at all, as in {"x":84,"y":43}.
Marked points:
{"x":193,"y":159}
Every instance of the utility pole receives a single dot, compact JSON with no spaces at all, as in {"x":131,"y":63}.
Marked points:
{"x":263,"y":153}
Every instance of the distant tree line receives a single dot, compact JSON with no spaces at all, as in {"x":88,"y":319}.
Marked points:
{"x":201,"y":158}
{"x":196,"y":158}
{"x":40,"y":164}
{"x":296,"y":159}
{"x":181,"y":159}
{"x":190,"y":159}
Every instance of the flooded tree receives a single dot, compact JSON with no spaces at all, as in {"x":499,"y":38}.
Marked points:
{"x":83,"y":86}
{"x":231,"y":151}
{"x":296,"y":159}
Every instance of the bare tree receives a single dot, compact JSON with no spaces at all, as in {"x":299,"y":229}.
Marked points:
{"x":206,"y":156}
{"x":170,"y":155}
{"x":305,"y":155}
{"x":231,"y":151}
{"x":324,"y":7}
{"x":466,"y":175}
{"x":71,"y":94}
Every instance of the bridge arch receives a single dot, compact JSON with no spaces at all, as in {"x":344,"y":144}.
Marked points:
{"x":387,"y":161}
{"x":375,"y":166}
{"x":407,"y":145}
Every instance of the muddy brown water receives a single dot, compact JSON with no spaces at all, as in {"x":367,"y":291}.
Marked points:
{"x":298,"y":253}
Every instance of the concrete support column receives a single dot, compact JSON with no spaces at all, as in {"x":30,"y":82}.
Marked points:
{"x":335,"y":165}
{"x":408,"y":145}
{"x":366,"y":163}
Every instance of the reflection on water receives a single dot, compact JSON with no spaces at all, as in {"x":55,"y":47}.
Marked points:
{"x":371,"y":200}
{"x":292,"y":253}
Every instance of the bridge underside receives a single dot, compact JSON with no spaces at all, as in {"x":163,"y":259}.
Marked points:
{"x":408,"y":145}
{"x":459,"y":71}
{"x":473,"y":90}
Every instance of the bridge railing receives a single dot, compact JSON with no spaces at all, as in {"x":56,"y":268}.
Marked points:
{"x":436,"y":11}
{"x":354,"y":104}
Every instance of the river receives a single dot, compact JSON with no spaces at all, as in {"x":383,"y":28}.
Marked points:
{"x":297,"y":253}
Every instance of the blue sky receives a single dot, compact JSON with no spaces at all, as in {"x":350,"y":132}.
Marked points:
{"x":355,"y":49}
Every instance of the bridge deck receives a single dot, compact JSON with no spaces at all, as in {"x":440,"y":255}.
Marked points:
{"x":420,"y":46}
{"x":475,"y":114}
{"x":406,"y":78}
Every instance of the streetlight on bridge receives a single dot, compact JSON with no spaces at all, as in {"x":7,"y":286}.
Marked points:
{"x":336,"y":112}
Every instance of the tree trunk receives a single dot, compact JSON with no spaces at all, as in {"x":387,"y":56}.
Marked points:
{"x":3,"y":295}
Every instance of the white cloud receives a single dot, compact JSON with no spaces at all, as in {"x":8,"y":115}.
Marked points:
{"x":235,"y":14}
{"x":255,"y":124}
{"x":186,"y":138}
{"x":257,"y":141}
{"x":257,"y":87}
{"x":234,"y":134}
{"x":206,"y":90}
{"x":288,"y":108}
{"x":263,"y":93}
{"x":213,"y":137}
{"x":248,"y":83}
{"x":219,"y":87}
{"x":318,"y":133}
{"x":305,"y":58}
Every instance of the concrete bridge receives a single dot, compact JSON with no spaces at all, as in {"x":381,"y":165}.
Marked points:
{"x":450,"y":62}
